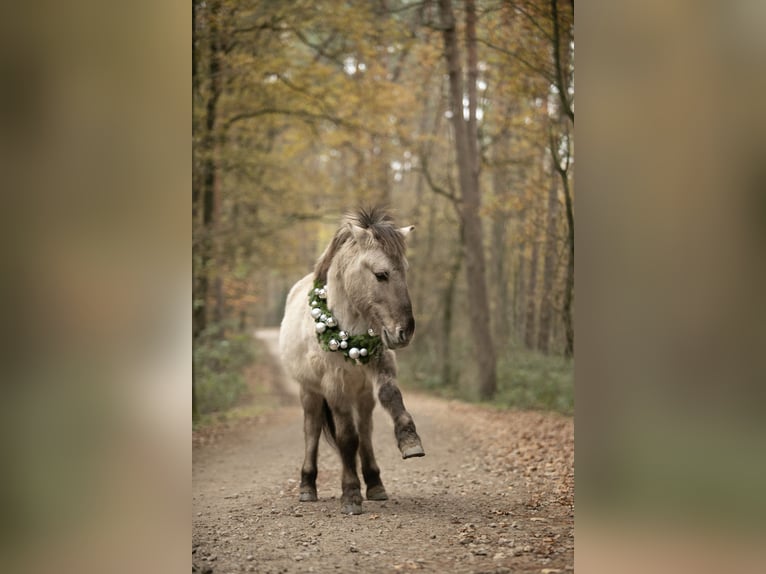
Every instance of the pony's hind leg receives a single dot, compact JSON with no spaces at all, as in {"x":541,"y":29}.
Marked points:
{"x":347,"y":440}
{"x":370,"y":470}
{"x":312,"y":428}
{"x":390,"y":396}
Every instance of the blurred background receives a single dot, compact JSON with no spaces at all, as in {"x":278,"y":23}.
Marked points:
{"x":458,"y":116}
{"x":98,"y":338}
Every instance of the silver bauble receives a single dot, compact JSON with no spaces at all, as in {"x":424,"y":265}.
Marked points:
{"x":320,"y":327}
{"x":331,"y":321}
{"x":323,"y":318}
{"x":363,"y":352}
{"x":314,"y":302}
{"x":315,"y":313}
{"x":333,"y":344}
{"x":371,"y":332}
{"x":322,"y":294}
{"x":353,"y":352}
{"x":343,"y":336}
{"x":343,"y":344}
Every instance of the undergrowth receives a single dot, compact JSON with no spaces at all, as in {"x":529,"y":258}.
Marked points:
{"x":531,"y":380}
{"x":220,"y":359}
{"x":525,"y":380}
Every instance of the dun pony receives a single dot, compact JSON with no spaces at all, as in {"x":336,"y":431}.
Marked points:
{"x":337,"y":340}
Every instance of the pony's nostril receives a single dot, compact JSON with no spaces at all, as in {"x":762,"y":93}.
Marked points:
{"x":401,"y":334}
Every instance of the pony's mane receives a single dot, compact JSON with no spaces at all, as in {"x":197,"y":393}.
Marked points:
{"x":381,"y":226}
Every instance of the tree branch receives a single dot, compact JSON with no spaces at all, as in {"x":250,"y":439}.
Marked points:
{"x":437,"y":189}
{"x":320,"y":50}
{"x":303,"y":114}
{"x":544,"y":73}
{"x":532,"y":20}
{"x":560,"y":83}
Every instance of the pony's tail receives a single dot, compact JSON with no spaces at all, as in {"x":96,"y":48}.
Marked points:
{"x":328,"y":424}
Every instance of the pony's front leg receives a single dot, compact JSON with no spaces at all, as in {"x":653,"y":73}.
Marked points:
{"x":370,"y":469}
{"x":391,"y":398}
{"x":312,"y":428}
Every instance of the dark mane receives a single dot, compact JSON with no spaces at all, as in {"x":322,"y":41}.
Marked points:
{"x":381,"y":226}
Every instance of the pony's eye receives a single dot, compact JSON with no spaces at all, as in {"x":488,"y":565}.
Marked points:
{"x":382,"y":276}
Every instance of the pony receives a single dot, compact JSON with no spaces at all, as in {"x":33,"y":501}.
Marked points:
{"x":341,"y":326}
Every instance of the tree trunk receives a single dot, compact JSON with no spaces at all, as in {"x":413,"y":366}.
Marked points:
{"x":219,"y":297}
{"x":448,"y":375}
{"x":562,"y":55}
{"x":219,"y":312}
{"x":466,"y":148}
{"x":379,"y":166}
{"x":561,"y":64}
{"x":209,"y":174}
{"x":531,"y":297}
{"x":207,"y":181}
{"x":563,"y":172}
{"x":518,"y":292}
{"x":546,"y":301}
{"x":195,"y":186}
{"x":569,"y":287}
{"x":500,"y":259}
{"x":501,"y":326}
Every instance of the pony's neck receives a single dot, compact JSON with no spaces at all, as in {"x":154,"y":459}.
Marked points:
{"x":339,"y":303}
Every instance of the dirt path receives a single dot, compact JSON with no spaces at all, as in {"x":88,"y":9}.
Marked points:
{"x":494,"y":494}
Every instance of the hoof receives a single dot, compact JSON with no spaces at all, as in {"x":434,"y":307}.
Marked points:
{"x":377,"y":493}
{"x":351,"y":502}
{"x":413,"y":451}
{"x":308,"y":497}
{"x":351,"y":508}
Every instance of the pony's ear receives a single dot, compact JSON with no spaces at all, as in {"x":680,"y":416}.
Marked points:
{"x":406,"y":230}
{"x":360,"y":234}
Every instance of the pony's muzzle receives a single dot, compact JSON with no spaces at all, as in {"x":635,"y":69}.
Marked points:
{"x":403,"y":335}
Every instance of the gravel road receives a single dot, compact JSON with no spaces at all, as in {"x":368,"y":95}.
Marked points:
{"x":494,"y":494}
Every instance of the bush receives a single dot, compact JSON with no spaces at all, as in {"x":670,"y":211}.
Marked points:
{"x":531,"y":380}
{"x":220,"y":358}
{"x":525,"y":379}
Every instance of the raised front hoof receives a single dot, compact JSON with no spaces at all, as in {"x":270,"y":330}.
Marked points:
{"x":308,"y":496}
{"x":351,"y":508}
{"x":408,"y":442}
{"x":377,"y":493}
{"x":413,"y":451}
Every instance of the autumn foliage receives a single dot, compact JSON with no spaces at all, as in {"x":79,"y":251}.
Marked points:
{"x":305,"y":109}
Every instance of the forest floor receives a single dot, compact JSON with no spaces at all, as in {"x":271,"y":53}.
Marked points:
{"x":494,"y":493}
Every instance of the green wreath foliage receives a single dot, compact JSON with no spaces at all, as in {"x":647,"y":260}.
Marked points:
{"x":331,"y":336}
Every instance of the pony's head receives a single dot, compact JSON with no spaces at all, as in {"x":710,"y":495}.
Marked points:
{"x":366,"y":271}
